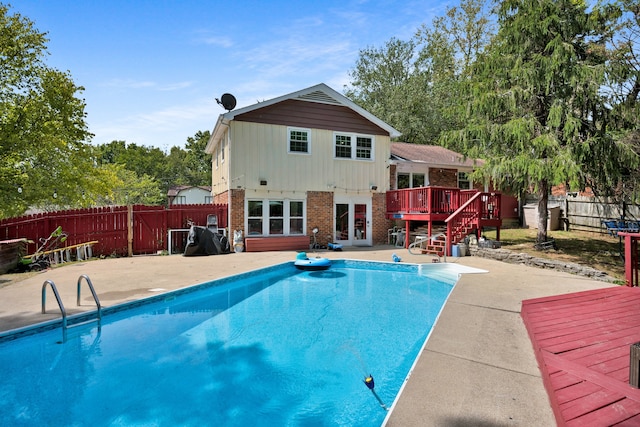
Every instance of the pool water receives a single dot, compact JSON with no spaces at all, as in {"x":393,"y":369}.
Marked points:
{"x":271,"y":347}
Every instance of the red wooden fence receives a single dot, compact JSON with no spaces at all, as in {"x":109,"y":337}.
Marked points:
{"x":119,"y":230}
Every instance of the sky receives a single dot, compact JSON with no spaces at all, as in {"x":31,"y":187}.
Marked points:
{"x":152,"y":69}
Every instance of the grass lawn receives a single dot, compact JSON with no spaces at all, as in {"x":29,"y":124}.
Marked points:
{"x":598,"y":251}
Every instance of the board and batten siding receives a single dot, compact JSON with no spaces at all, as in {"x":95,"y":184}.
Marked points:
{"x":220,"y":168}
{"x":312,"y":115}
{"x":259,"y":151}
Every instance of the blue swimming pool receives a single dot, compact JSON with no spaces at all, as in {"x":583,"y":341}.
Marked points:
{"x":271,"y":347}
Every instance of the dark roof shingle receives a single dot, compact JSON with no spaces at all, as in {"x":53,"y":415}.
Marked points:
{"x":432,"y":154}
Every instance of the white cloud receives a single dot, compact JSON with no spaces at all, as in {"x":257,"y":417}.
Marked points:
{"x":162,"y":128}
{"x":135,"y":84}
{"x":221,"y":41}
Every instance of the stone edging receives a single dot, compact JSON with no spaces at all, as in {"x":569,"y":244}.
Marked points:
{"x":511,"y":257}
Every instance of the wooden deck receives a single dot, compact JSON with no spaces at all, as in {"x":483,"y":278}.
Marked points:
{"x":461,"y":211}
{"x":582,"y":344}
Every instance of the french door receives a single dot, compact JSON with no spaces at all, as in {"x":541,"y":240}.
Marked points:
{"x":352,"y":218}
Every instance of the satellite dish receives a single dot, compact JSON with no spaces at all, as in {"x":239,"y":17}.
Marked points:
{"x":228,"y":101}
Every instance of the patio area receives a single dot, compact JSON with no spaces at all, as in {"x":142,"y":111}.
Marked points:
{"x":478,"y":367}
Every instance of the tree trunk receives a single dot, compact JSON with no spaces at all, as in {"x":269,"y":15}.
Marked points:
{"x":543,"y":201}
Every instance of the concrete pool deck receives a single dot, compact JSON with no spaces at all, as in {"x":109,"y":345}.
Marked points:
{"x":478,"y":367}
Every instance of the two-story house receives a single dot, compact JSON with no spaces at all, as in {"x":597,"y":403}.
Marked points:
{"x":307,"y":165}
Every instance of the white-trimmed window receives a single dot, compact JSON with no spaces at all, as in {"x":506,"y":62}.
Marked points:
{"x":275,"y":217}
{"x":299,"y":140}
{"x":464,"y":183}
{"x":410,"y":180}
{"x":353,"y":146}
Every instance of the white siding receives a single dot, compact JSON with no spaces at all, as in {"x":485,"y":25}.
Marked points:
{"x":220,"y":168}
{"x":264,"y":156}
{"x":190,"y":196}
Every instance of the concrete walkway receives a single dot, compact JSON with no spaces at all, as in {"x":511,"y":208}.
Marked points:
{"x":478,"y":367}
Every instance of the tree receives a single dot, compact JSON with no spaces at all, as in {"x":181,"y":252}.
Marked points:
{"x":42,"y":126}
{"x":622,"y":90}
{"x":388,"y":83}
{"x":536,"y":112}
{"x":148,"y":164}
{"x":191,"y":166}
{"x":413,"y":84}
{"x":453,"y":42}
{"x":129,"y":188}
{"x":198,"y":163}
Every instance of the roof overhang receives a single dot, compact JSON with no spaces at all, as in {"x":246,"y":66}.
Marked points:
{"x":320,"y":93}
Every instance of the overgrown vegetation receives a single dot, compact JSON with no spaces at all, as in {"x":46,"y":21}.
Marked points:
{"x":599,"y":251}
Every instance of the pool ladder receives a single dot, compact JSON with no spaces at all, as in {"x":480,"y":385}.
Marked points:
{"x":65,"y":325}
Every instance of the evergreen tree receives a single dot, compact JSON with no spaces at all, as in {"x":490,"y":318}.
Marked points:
{"x":537,"y":114}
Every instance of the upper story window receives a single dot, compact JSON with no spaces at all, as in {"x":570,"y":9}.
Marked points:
{"x":351,"y":146}
{"x":299,"y":140}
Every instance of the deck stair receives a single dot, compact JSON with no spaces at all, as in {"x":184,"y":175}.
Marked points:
{"x":460,"y":231}
{"x":462,"y":212}
{"x":434,"y":245}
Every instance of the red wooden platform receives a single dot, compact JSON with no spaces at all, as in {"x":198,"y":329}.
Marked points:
{"x":582,"y":343}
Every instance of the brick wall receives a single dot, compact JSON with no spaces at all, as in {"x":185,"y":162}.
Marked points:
{"x":222,"y":198}
{"x":393,"y":179}
{"x":237,"y":211}
{"x":443,"y":177}
{"x":320,"y":214}
{"x":380,"y":225}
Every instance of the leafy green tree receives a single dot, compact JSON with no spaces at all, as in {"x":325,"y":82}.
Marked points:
{"x":453,"y":42}
{"x":413,"y":84}
{"x":189,"y":166}
{"x":536,"y":112}
{"x":388,"y":83}
{"x":42,"y":126}
{"x":142,"y":160}
{"x":198,"y":163}
{"x":129,"y":188}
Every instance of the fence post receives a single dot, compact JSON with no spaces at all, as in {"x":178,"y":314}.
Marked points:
{"x":130,"y":230}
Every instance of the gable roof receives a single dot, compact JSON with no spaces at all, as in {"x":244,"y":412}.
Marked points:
{"x":174,"y":190}
{"x":320,"y":93}
{"x":431,"y":154}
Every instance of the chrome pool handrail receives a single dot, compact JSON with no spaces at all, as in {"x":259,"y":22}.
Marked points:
{"x":93,"y":292}
{"x":57,"y":295}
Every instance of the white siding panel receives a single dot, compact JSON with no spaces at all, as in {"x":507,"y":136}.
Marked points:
{"x":259,"y":151}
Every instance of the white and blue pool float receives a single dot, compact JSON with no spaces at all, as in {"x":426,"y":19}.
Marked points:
{"x":305,"y":263}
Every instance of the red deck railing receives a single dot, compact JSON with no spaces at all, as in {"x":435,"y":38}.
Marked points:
{"x":441,"y":200}
{"x":460,"y":210}
{"x":429,"y":200}
{"x":630,"y":257}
